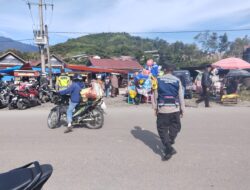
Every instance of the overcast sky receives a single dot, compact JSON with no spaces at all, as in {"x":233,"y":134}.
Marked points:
{"x":126,"y":16}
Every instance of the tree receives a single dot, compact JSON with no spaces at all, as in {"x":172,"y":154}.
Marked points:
{"x":212,"y":43}
{"x":209,"y":42}
{"x":223,"y":43}
{"x":237,"y":47}
{"x":202,"y":38}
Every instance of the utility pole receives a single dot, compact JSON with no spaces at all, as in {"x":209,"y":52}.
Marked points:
{"x":42,"y":35}
{"x":48,"y":55}
{"x":41,"y":39}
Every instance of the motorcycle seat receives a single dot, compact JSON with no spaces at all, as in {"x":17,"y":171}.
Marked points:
{"x":16,"y":180}
{"x":46,"y":173}
{"x":25,"y":178}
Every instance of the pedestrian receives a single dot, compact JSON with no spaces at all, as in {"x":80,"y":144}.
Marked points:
{"x":44,"y":82}
{"x":53,"y":81}
{"x":168,"y":102}
{"x":114,"y":85}
{"x":100,"y":82}
{"x":74,"y":91}
{"x":206,"y":83}
{"x":231,"y":85}
{"x":97,"y":87}
{"x":107,"y":86}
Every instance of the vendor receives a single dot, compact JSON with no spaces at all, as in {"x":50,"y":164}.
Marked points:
{"x":231,"y":85}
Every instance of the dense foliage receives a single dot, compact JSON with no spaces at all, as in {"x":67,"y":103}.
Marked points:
{"x":209,"y":47}
{"x":123,"y":44}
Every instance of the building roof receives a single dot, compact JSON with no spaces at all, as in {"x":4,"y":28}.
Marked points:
{"x":93,"y":70}
{"x":231,"y":63}
{"x":115,"y":64}
{"x":55,"y":61}
{"x":34,"y":63}
{"x":11,"y":59}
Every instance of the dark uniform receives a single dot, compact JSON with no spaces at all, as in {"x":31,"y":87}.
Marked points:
{"x":206,"y":83}
{"x":169,"y":102}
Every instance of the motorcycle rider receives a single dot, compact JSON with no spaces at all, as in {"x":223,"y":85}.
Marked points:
{"x":74,"y":91}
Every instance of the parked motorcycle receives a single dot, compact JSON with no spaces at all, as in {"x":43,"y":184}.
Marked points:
{"x":13,"y":98}
{"x":4,"y":96}
{"x":89,"y":114}
{"x":26,"y":177}
{"x":54,"y":96}
{"x":24,"y":97}
{"x":46,"y":94}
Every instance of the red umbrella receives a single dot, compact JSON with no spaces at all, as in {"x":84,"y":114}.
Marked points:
{"x":231,"y":63}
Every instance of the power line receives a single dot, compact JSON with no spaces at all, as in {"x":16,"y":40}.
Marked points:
{"x":196,"y":31}
{"x":31,"y":15}
{"x":52,"y":14}
{"x":190,"y":31}
{"x":49,"y":14}
{"x":157,"y":32}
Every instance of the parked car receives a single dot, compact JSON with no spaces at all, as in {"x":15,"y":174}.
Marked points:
{"x":186,"y":80}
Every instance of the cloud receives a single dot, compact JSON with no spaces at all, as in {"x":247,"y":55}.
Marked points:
{"x":128,"y":15}
{"x":150,"y":15}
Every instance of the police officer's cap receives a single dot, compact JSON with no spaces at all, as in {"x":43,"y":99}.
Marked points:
{"x":168,"y":67}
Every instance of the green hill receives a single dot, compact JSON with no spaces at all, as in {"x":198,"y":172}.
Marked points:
{"x":118,"y":44}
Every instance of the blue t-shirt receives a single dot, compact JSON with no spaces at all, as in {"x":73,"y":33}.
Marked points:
{"x":74,"y":91}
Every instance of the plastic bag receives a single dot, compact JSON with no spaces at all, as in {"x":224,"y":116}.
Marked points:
{"x":88,"y":93}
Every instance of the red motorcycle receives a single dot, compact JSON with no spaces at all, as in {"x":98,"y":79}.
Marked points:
{"x":27,"y":96}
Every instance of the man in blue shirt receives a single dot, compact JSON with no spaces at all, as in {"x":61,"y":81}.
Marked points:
{"x":74,"y":91}
{"x":169,"y":106}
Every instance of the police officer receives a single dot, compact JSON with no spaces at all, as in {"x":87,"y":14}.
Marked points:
{"x":62,"y":82}
{"x":168,"y":103}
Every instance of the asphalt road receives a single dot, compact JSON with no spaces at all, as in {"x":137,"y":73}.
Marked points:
{"x":213,"y":150}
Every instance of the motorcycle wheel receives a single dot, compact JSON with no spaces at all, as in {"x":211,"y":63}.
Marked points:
{"x":53,"y":119}
{"x":43,"y":99}
{"x":1,"y":105}
{"x":10,"y":107}
{"x":21,"y":105}
{"x":98,"y":119}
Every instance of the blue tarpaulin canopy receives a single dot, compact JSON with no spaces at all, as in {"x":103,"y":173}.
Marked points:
{"x":7,"y":78}
{"x":54,"y":70}
{"x":11,"y":69}
{"x":66,"y":70}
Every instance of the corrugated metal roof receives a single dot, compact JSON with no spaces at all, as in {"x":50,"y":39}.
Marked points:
{"x":94,"y":70}
{"x":115,"y":64}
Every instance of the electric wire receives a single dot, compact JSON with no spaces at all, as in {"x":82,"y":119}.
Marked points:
{"x":158,"y":32}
